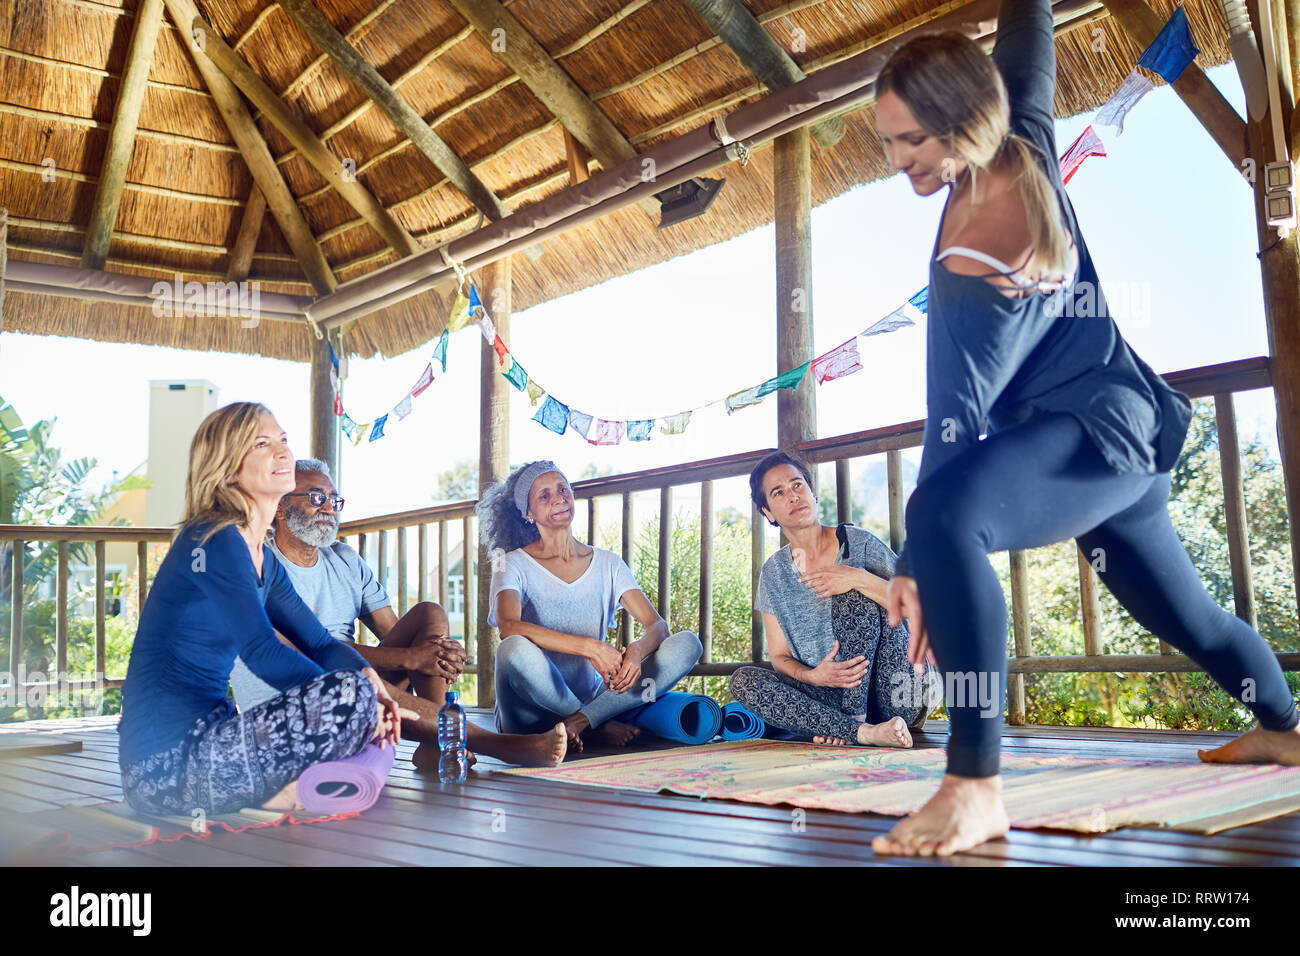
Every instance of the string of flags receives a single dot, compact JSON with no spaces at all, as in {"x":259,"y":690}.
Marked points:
{"x":1168,"y":55}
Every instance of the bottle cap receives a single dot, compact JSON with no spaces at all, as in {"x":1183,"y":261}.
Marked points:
{"x":451,"y":697}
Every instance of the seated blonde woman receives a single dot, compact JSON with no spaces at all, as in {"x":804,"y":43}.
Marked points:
{"x":221,"y":592}
{"x":554,"y":599}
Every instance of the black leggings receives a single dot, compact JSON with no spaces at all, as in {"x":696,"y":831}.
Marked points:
{"x":1032,"y":485}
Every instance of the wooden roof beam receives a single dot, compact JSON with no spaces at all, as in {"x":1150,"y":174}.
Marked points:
{"x":367,"y":78}
{"x":252,"y":147}
{"x":549,"y":83}
{"x":250,"y":226}
{"x":343,"y":181}
{"x":121,"y":138}
{"x":761,"y":55}
{"x":1221,"y":121}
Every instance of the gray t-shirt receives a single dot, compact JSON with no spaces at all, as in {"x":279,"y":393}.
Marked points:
{"x":805,"y":618}
{"x":585,"y":608}
{"x":337,"y":588}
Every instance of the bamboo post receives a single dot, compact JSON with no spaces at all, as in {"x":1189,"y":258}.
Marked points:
{"x":1021,"y":629}
{"x":250,"y":227}
{"x":894,"y":470}
{"x":665,"y":551}
{"x":16,"y":612}
{"x":796,"y":410}
{"x":706,"y":570}
{"x":757,"y":531}
{"x":493,"y":454}
{"x":101,"y":655}
{"x":401,"y":570}
{"x":843,"y":492}
{"x":624,"y":619}
{"x":1090,"y":605}
{"x":1234,"y":507}
{"x":422,"y":562}
{"x":61,"y":613}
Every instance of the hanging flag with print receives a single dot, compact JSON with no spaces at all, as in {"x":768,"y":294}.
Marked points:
{"x":837,"y":363}
{"x":334,"y":379}
{"x":459,"y":317}
{"x":361,"y":433}
{"x":890,"y":323}
{"x":488,"y":328}
{"x":516,"y":375}
{"x":743,"y":399}
{"x":674,"y":424}
{"x":402,"y":408}
{"x":503,"y":353}
{"x":349,"y":427}
{"x":1113,"y":111}
{"x":580,"y":422}
{"x":1086,"y":145}
{"x":338,"y":404}
{"x":640,"y":430}
{"x":553,"y":415}
{"x":920,"y":301}
{"x":535,"y":392}
{"x":474,"y":301}
{"x":334,"y":361}
{"x":786,"y":380}
{"x":1172,"y":50}
{"x":426,"y":379}
{"x":440,"y":350}
{"x":377,"y":429}
{"x":606,"y":433}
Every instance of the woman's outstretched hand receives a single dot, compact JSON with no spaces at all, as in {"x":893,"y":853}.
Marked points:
{"x":904,"y":601}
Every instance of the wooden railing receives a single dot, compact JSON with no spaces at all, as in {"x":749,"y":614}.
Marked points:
{"x":426,"y":526}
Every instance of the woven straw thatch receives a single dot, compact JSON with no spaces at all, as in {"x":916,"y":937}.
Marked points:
{"x":653,"y":68}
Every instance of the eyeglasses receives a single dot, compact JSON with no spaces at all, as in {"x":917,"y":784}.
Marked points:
{"x":317,"y":499}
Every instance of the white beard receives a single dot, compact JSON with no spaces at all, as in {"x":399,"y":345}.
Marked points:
{"x":309,"y":531}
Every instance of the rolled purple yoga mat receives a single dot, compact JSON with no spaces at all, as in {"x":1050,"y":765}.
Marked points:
{"x":349,"y":785}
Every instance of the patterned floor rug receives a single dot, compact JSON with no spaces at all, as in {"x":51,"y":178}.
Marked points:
{"x":1067,"y":793}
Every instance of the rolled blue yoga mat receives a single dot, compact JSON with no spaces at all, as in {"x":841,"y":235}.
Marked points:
{"x":740,"y":724}
{"x":687,"y":718}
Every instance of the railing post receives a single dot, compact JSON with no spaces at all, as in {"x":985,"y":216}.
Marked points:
{"x":1234,"y":508}
{"x":61,"y":612}
{"x":16,"y":614}
{"x":843,"y":492}
{"x":422,"y":562}
{"x":706,"y":571}
{"x":401,"y":570}
{"x":1021,"y":629}
{"x":894,"y":477}
{"x":665,"y":552}
{"x":101,"y":654}
{"x":757,"y":531}
{"x":625,"y":619}
{"x":472,"y":648}
{"x":383,"y":557}
{"x":1090,"y":604}
{"x":591,"y":521}
{"x":443,"y":597}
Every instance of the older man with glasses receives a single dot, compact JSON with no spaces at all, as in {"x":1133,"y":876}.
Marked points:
{"x":416,"y":657}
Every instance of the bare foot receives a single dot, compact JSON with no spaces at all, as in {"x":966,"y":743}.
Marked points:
{"x":963,"y":814}
{"x":574,"y":725}
{"x":1258,"y":745}
{"x":831,"y":741}
{"x":889,"y":733}
{"x":614,"y":734}
{"x":546,"y":749}
{"x":428,"y":754}
{"x":285,"y":800}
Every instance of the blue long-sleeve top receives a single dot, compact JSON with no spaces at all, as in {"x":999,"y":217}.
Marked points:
{"x":990,"y":357}
{"x":206,"y":606}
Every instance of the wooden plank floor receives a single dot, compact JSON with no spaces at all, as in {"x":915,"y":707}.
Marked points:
{"x":510,"y":821}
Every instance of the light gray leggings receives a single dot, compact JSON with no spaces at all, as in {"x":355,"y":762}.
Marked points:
{"x":889,"y":688}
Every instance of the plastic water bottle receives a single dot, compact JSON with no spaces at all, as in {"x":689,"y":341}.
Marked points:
{"x":453,"y":764}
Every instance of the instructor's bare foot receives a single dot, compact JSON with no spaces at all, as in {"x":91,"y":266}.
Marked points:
{"x":614,"y":734}
{"x":963,"y":814}
{"x":889,"y":733}
{"x":1258,"y":746}
{"x":831,"y":741}
{"x":285,"y":800}
{"x":546,"y":749}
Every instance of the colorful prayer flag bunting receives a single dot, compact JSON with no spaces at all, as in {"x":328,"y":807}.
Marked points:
{"x":474,"y":301}
{"x":402,"y":408}
{"x":499,"y":347}
{"x":535,"y":392}
{"x":440,"y":350}
{"x":837,"y":363}
{"x":890,"y":323}
{"x":334,"y":359}
{"x":377,"y":429}
{"x":426,"y":379}
{"x":334,"y":379}
{"x":516,"y":374}
{"x":1086,"y":145}
{"x":580,"y":422}
{"x":488,"y":328}
{"x":338,"y":404}
{"x":1172,"y":49}
{"x":607,"y":432}
{"x":743,"y":399}
{"x":459,"y":317}
{"x":674,"y":424}
{"x":920,"y":301}
{"x":553,"y":415}
{"x":640,"y":430}
{"x":1113,"y":111}
{"x":786,"y":380}
{"x":360,"y":434}
{"x":349,"y":427}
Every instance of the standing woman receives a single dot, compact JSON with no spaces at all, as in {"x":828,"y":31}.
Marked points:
{"x":220,"y":592}
{"x":554,"y":599}
{"x":1082,"y":434}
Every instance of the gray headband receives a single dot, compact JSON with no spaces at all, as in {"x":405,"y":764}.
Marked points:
{"x":527,"y":476}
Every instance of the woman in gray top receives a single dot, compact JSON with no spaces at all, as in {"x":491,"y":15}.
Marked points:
{"x":839,"y":670}
{"x":554,"y":599}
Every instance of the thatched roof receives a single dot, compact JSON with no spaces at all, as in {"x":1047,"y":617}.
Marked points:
{"x":654,"y":68}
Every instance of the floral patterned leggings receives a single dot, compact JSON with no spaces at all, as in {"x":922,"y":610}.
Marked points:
{"x":890,"y":687}
{"x":229,"y":760}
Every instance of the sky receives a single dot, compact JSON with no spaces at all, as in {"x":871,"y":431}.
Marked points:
{"x":1168,"y":221}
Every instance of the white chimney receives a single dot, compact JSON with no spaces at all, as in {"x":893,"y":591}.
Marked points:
{"x":176,"y":407}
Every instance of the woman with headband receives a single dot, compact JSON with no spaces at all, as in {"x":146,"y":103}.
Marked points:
{"x":554,"y":599}
{"x":1082,"y":433}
